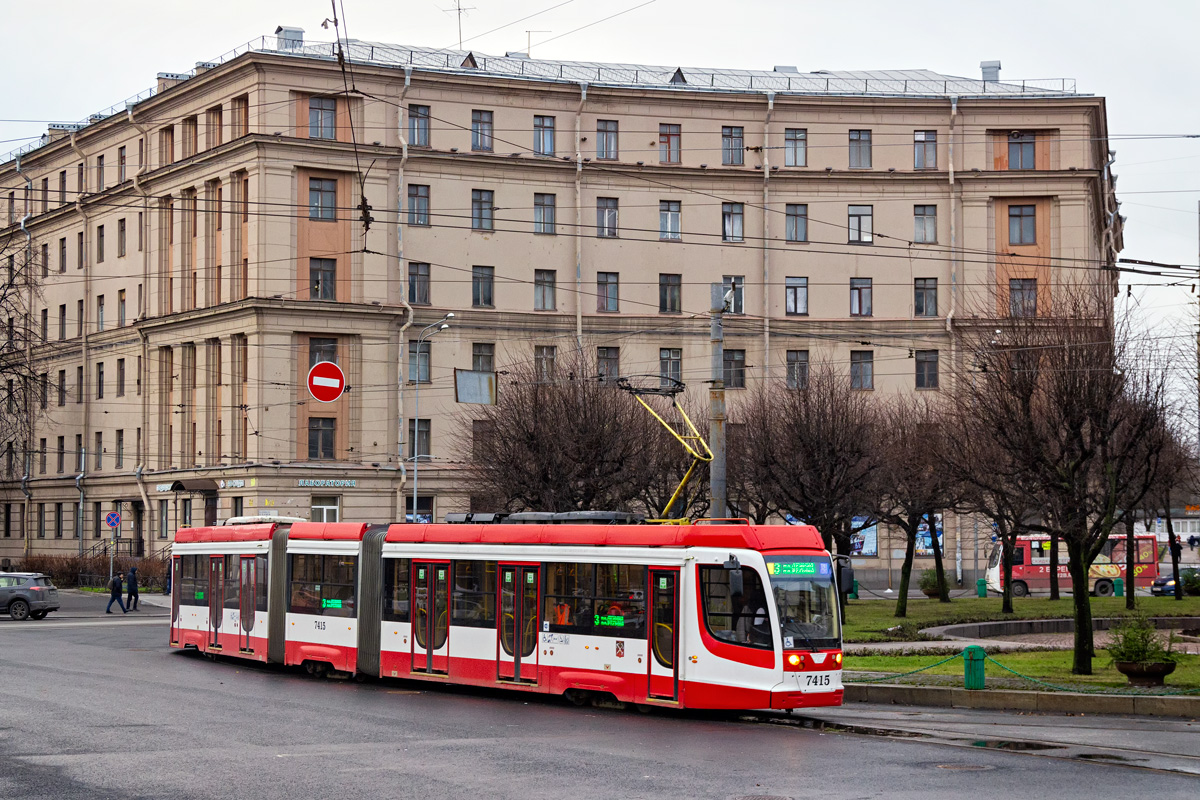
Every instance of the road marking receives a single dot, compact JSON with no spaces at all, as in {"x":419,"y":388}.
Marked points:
{"x":104,"y":623}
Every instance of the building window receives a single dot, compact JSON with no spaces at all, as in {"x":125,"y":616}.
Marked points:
{"x":860,"y":297}
{"x":606,"y":140}
{"x":482,"y":285}
{"x":1022,"y":297}
{"x":862,"y":369}
{"x":62,"y":454}
{"x":543,"y":213}
{"x":925,"y":297}
{"x":120,"y":238}
{"x":99,"y":173}
{"x":482,"y":202}
{"x":736,"y":292}
{"x":418,"y":361}
{"x":733,"y":146}
{"x":322,"y":115}
{"x":320,"y":437}
{"x":100,"y":380}
{"x":418,"y":438}
{"x":606,"y":217}
{"x":41,"y":525}
{"x":670,"y":220}
{"x":607,"y":291}
{"x":483,"y":357}
{"x":418,"y":204}
{"x":418,"y":283}
{"x":164,"y":519}
{"x":481,"y":130}
{"x":797,"y":369}
{"x":670,"y":365}
{"x":1022,"y":225}
{"x":62,"y":387}
{"x":735,"y":369}
{"x":861,"y":224}
{"x":120,"y":377}
{"x":322,"y":279}
{"x":925,"y":224}
{"x":796,"y":296}
{"x":1021,"y":150}
{"x":120,"y":308}
{"x":418,"y":126}
{"x":670,"y":286}
{"x":544,"y":284}
{"x":924,"y":149}
{"x":669,"y":137}
{"x":324,"y":508}
{"x":860,"y":149}
{"x":544,"y":357}
{"x":732,"y":215}
{"x":79,"y":253}
{"x":608,"y":363}
{"x":797,"y":222}
{"x":927,"y":369}
{"x":322,"y":349}
{"x":795,"y":147}
{"x":322,"y":198}
{"x":99,"y":457}
{"x":99,"y":244}
{"x":62,"y":187}
{"x":62,"y":254}
{"x":543,"y":135}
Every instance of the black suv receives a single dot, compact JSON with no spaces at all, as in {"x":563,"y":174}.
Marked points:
{"x":27,"y":594}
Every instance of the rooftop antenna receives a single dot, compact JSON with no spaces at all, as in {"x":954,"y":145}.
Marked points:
{"x":459,"y":9}
{"x":529,"y":41}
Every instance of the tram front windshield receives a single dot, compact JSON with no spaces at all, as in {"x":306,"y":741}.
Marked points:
{"x":806,"y":600}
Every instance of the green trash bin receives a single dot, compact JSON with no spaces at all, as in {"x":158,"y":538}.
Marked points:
{"x":981,"y":587}
{"x":1119,"y":587}
{"x":973,"y":660}
{"x":854,"y":594}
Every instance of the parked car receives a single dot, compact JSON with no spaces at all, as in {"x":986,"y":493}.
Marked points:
{"x":25,"y":595}
{"x":1165,"y":584}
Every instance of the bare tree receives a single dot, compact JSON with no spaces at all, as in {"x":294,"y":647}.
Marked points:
{"x":913,"y":482}
{"x":1176,"y":477}
{"x":1066,"y":396}
{"x":20,"y":385}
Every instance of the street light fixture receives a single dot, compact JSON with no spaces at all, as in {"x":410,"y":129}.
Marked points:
{"x":426,"y":332}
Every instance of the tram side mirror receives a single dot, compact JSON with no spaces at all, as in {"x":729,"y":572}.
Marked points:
{"x":732,"y":562}
{"x":845,"y":577}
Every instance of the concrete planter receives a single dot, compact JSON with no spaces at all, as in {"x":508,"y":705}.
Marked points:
{"x":1145,"y":673}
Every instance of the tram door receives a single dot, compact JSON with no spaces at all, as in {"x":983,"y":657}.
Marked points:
{"x":430,"y":617}
{"x":176,"y":570}
{"x":216,"y":598}
{"x":246,"y":602}
{"x":664,"y":634}
{"x":520,"y":589}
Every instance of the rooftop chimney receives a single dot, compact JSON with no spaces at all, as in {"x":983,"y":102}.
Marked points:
{"x":991,"y":70}
{"x":289,"y":38}
{"x":786,"y":68}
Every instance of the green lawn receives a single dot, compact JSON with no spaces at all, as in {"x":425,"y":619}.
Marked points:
{"x":1051,"y":666}
{"x":869,"y":620}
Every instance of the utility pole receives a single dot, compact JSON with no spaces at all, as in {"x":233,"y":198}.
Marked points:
{"x":718,"y":506}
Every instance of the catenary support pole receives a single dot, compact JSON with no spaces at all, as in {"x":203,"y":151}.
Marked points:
{"x":716,"y":406}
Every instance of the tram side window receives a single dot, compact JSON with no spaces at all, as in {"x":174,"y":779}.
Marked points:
{"x":260,"y":583}
{"x":194,"y":581}
{"x":322,"y":585}
{"x":395,"y":589}
{"x":735,"y":606}
{"x":568,"y":597}
{"x":233,"y":581}
{"x":474,"y":595}
{"x":1146,"y":551}
{"x":1039,"y":552}
{"x":620,"y":606}
{"x":1018,"y":556}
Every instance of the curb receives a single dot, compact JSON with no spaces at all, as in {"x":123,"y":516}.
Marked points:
{"x":1016,"y":700}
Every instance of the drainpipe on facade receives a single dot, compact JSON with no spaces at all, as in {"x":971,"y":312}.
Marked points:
{"x":583,"y":87}
{"x":950,"y":312}
{"x":766,"y":245}
{"x":87,"y":297}
{"x":148,"y":515}
{"x":82,"y":499}
{"x":400,"y":201}
{"x":28,"y":350}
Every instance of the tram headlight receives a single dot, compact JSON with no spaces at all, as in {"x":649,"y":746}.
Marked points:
{"x":794,"y":659}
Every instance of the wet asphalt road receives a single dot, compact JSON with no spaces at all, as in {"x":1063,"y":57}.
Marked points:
{"x":98,"y":707}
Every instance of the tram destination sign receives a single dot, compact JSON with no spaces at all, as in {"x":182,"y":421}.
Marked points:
{"x":807,"y":568}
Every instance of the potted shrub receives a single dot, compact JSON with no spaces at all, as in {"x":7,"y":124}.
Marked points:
{"x":1190,"y":578}
{"x":1138,"y":652}
{"x":928,"y":583}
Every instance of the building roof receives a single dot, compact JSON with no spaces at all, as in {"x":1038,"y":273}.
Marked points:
{"x":781,"y":80}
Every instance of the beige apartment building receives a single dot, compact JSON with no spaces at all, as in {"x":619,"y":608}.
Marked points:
{"x":189,"y":254}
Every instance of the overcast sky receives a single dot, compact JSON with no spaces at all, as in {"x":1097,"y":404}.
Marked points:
{"x":66,"y":59}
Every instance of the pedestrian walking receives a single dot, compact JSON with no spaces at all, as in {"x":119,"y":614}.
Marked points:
{"x":131,"y":586}
{"x":114,"y":592}
{"x":1193,"y":540}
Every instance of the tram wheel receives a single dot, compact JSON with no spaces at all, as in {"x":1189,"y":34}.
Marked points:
{"x":576,"y":697}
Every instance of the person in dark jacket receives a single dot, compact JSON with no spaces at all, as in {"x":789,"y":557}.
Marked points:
{"x":131,"y":586}
{"x":114,"y":592}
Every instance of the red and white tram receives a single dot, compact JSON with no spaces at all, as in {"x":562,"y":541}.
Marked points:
{"x":698,"y":616}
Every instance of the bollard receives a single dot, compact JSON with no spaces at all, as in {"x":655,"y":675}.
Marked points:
{"x":973,"y":660}
{"x":854,"y":593}
{"x":981,"y":587}
{"x":1118,"y":587}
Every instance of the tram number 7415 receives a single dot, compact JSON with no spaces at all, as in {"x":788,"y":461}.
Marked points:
{"x":319,"y":624}
{"x":816,"y":680}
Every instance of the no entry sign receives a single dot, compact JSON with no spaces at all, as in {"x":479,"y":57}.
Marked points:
{"x":326,"y":381}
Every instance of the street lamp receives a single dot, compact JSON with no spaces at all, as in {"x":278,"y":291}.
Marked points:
{"x":426,"y":332}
